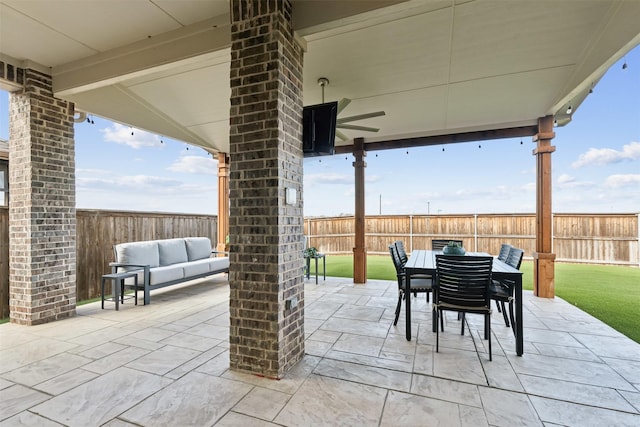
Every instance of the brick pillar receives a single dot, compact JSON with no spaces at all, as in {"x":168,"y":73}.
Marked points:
{"x":265,"y":275}
{"x":42,"y":212}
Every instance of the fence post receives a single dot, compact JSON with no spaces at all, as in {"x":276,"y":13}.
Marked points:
{"x":475,"y":232}
{"x":411,"y":233}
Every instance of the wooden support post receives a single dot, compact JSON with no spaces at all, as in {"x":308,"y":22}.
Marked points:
{"x":543,"y":258}
{"x":223,"y":202}
{"x":359,"y":251}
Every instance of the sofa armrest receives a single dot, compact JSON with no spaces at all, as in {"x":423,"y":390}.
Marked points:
{"x":115,"y":265}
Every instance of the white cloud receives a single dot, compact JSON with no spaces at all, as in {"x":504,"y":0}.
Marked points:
{"x":91,"y":179}
{"x":565,"y":179}
{"x":195,"y":164}
{"x":122,"y":135}
{"x":616,"y":181}
{"x":328,"y":178}
{"x":605,"y":156}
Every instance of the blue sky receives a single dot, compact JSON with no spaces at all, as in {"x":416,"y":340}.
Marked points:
{"x":596,"y":167}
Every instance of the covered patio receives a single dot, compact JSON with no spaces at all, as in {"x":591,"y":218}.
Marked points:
{"x":168,"y":364}
{"x":232,"y":77}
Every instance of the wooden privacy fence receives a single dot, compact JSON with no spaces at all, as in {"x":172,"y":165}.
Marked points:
{"x":585,"y":238}
{"x":96,"y":233}
{"x":580,"y":238}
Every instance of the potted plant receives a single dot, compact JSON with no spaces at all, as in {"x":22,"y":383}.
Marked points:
{"x":310,"y":252}
{"x":453,"y":248}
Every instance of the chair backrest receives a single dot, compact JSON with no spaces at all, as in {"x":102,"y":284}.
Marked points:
{"x":402,"y":253}
{"x":463,"y":281}
{"x":515,"y":257}
{"x":397,"y":263}
{"x":504,"y":252}
{"x":439,"y":244}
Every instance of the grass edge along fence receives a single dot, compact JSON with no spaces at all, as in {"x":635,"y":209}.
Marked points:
{"x":576,"y":238}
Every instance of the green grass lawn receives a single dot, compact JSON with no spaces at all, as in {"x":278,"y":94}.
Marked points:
{"x":609,"y":293}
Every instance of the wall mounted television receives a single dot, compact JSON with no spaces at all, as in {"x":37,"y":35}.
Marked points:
{"x":319,"y":129}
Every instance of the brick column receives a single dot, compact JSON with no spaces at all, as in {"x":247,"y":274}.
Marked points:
{"x":265,"y":275}
{"x":42,"y":212}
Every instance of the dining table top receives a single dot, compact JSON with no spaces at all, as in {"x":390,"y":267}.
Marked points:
{"x":426,"y":260}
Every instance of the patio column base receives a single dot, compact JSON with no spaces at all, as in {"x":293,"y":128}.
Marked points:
{"x":544,"y":274}
{"x":359,"y":265}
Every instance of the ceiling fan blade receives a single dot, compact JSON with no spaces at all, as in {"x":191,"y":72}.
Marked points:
{"x":356,"y":127}
{"x":360,"y":116}
{"x":341,"y":135}
{"x":342,"y":104}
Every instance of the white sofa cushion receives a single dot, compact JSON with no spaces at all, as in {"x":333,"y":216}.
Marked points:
{"x":218,"y":263}
{"x":194,"y":268}
{"x":172,"y":251}
{"x":198,"y":247}
{"x":139,"y":253}
{"x":165,"y":274}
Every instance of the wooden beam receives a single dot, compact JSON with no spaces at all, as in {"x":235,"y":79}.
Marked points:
{"x":359,"y":251}
{"x":422,"y":141}
{"x":223,"y":201}
{"x":543,"y":258}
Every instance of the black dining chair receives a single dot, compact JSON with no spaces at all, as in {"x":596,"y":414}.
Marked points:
{"x":504,"y":252}
{"x":462,"y":284}
{"x":439,"y":244}
{"x":402,"y":253}
{"x":502,"y":291}
{"x":418,"y":284}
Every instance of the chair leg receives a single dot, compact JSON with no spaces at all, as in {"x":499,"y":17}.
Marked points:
{"x":441,"y":320}
{"x":487,"y":323}
{"x":395,"y":322}
{"x":427,"y":295}
{"x":461,"y":317}
{"x":498,"y":306}
{"x":513,"y":318}
{"x":438,"y":314}
{"x":504,"y":313}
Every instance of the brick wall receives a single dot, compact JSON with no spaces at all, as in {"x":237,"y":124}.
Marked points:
{"x":42,"y":222}
{"x":266,"y":235}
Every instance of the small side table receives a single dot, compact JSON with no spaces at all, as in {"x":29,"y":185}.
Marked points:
{"x":324,"y":266}
{"x":117,"y":287}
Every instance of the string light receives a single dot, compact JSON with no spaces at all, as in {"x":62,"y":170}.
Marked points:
{"x":569,"y":109}
{"x":624,"y":64}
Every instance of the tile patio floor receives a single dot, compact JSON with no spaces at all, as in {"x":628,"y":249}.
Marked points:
{"x":166,"y":364}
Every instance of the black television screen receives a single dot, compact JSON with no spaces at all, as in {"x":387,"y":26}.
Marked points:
{"x":319,"y":129}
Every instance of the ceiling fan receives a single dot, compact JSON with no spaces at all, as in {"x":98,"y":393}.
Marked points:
{"x":342,"y":123}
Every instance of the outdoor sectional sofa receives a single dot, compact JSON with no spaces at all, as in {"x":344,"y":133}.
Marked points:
{"x":161,"y":263}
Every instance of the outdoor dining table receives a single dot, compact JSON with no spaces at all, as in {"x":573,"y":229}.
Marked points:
{"x":424,"y":262}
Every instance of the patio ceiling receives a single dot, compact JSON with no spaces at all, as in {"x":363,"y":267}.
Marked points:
{"x":435,"y":67}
